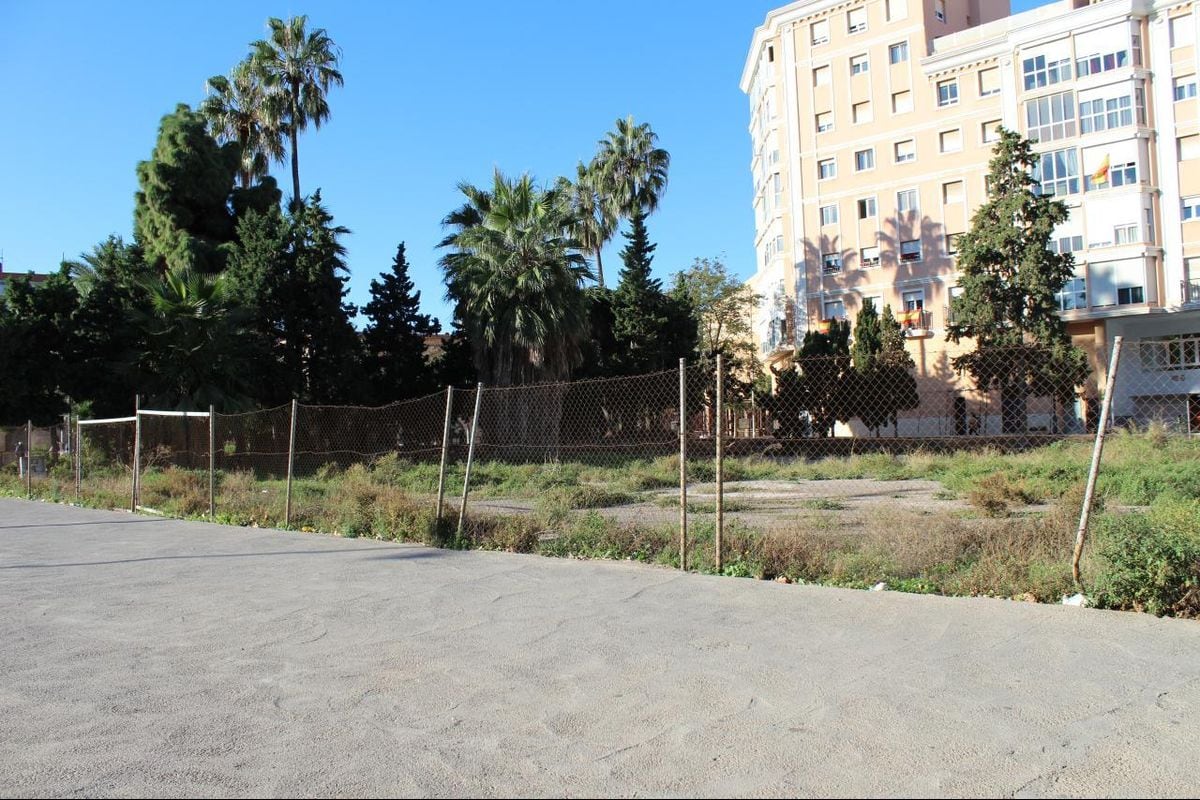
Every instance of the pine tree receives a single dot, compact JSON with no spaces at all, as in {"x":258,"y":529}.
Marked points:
{"x":1009,"y":278}
{"x":882,"y":383}
{"x":395,"y":337}
{"x":640,"y":315}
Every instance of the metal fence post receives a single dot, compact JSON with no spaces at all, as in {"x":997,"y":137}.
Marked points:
{"x":1097,"y":451}
{"x":137,"y":451}
{"x":683,"y":463}
{"x":287,"y":507}
{"x":445,"y":450}
{"x":720,"y":465}
{"x":212,"y":462}
{"x":29,"y":459}
{"x":78,"y":451}
{"x":462,"y":509}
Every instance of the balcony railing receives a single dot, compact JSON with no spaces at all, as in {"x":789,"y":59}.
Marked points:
{"x":916,"y":322}
{"x":1191,"y":291}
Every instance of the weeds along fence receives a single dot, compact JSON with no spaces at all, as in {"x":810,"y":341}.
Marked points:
{"x":647,"y":449}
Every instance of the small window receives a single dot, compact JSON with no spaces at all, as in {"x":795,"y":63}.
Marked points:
{"x":862,"y":112}
{"x":906,"y":151}
{"x":831,"y":263}
{"x":910,"y":251}
{"x":856,"y":20}
{"x":1189,"y":147}
{"x":953,"y":240}
{"x":1185,"y":88}
{"x":1125,"y":234}
{"x":824,"y":122}
{"x":822,"y":76}
{"x":873,"y":300}
{"x":989,"y":81}
{"x":902,"y":102}
{"x":913,"y":301}
{"x":859,"y":65}
{"x":947,"y":92}
{"x":1191,"y":208}
{"x":826,"y":169}
{"x":896,"y":9}
{"x":1127,"y":295}
{"x":820,"y":32}
{"x":939,"y":10}
{"x":868,"y":257}
{"x":866,"y":208}
{"x":950,"y":141}
{"x":835,"y":309}
{"x":907,"y":201}
{"x":864,"y":159}
{"x":952,"y":192}
{"x":989,"y":132}
{"x":779,"y":245}
{"x":1183,"y":31}
{"x":898,"y":52}
{"x":829,"y":215}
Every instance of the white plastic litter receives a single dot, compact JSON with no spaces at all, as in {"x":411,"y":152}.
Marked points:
{"x":1075,"y":600}
{"x":879,"y":587}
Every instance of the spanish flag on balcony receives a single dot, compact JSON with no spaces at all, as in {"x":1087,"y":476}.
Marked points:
{"x":1101,"y":174}
{"x":823,"y":325}
{"x":910,"y":319}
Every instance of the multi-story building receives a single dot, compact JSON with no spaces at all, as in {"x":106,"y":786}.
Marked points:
{"x":873,"y":122}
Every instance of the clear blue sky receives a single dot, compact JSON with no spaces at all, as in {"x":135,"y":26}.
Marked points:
{"x":435,"y":93}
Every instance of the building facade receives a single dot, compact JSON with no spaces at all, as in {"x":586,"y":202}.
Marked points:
{"x":872,"y":125}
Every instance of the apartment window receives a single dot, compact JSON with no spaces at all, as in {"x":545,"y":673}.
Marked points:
{"x":1057,"y":172}
{"x":1125,"y":234}
{"x":1188,"y":147}
{"x":947,"y":92}
{"x":1149,"y":225}
{"x":866,"y":208}
{"x":777,"y":181}
{"x":1099,"y":115}
{"x":835,"y":309}
{"x":779,"y":245}
{"x":1095,"y":64}
{"x":1191,"y":208}
{"x":990,"y":131}
{"x":1139,"y":103}
{"x":952,"y":192}
{"x":822,"y":76}
{"x":989,"y":81}
{"x":875,"y":301}
{"x":868,"y":257}
{"x":824,"y":122}
{"x":953,"y":240}
{"x":898,"y":52}
{"x":862,"y":112}
{"x":913,"y":301}
{"x":826,"y":169}
{"x":1039,"y":72}
{"x":906,"y":151}
{"x":856,"y":20}
{"x":864,"y":159}
{"x":831,"y":263}
{"x":820,"y":32}
{"x":1050,"y":117}
{"x":1185,"y":88}
{"x":1183,"y":31}
{"x":829,"y":215}
{"x":1180,"y":351}
{"x":859,"y":65}
{"x":910,"y":250}
{"x":902,"y":102}
{"x":1128,"y":295}
{"x":1065,"y":244}
{"x":907,"y":201}
{"x":1073,"y":295}
{"x":939,"y":10}
{"x":950,"y":141}
{"x":1111,"y":176}
{"x":896,"y":9}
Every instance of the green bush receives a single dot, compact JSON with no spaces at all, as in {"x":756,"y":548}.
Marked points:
{"x":1151,"y":561}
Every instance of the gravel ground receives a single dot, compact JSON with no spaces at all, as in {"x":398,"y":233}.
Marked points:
{"x":150,"y":657}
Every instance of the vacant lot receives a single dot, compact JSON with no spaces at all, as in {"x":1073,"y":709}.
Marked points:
{"x":154,"y":657}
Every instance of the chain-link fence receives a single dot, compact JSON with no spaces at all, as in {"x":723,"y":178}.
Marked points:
{"x":835,"y":446}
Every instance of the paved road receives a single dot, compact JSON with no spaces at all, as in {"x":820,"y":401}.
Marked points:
{"x":147,"y":657}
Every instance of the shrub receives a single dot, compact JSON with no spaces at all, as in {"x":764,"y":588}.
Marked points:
{"x":1151,"y":561}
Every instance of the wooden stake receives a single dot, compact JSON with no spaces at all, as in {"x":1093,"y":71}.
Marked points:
{"x":212,"y":463}
{"x":1097,"y":452}
{"x":29,"y":459}
{"x":287,"y":506}
{"x":683,"y":464}
{"x":462,"y":509}
{"x":720,"y":458}
{"x":137,"y":451}
{"x":445,"y":452}
{"x":78,"y":461}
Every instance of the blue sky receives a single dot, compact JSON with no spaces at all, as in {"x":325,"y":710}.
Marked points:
{"x":435,"y":93}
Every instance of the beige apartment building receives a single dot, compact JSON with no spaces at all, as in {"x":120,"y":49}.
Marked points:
{"x":872,"y":123}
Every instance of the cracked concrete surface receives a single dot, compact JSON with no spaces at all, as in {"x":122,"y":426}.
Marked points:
{"x":152,"y":657}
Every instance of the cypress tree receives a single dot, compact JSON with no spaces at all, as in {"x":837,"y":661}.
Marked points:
{"x":640,"y":315}
{"x":395,"y":337}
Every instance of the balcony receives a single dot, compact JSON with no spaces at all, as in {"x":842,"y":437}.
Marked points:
{"x":1190,"y":291}
{"x":917,"y":323}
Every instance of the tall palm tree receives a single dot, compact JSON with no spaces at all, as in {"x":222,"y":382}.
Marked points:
{"x":302,"y":67}
{"x":517,"y":277}
{"x":239,"y":108}
{"x":593,"y":219}
{"x":633,"y":168}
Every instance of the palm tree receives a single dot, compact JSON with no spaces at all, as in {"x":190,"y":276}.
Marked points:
{"x":633,"y":168}
{"x":301,"y":67}
{"x":241,"y":109}
{"x":517,"y":276}
{"x":593,"y":219}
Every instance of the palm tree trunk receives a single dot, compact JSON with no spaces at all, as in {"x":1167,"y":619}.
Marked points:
{"x":295,"y":169}
{"x":599,"y":269}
